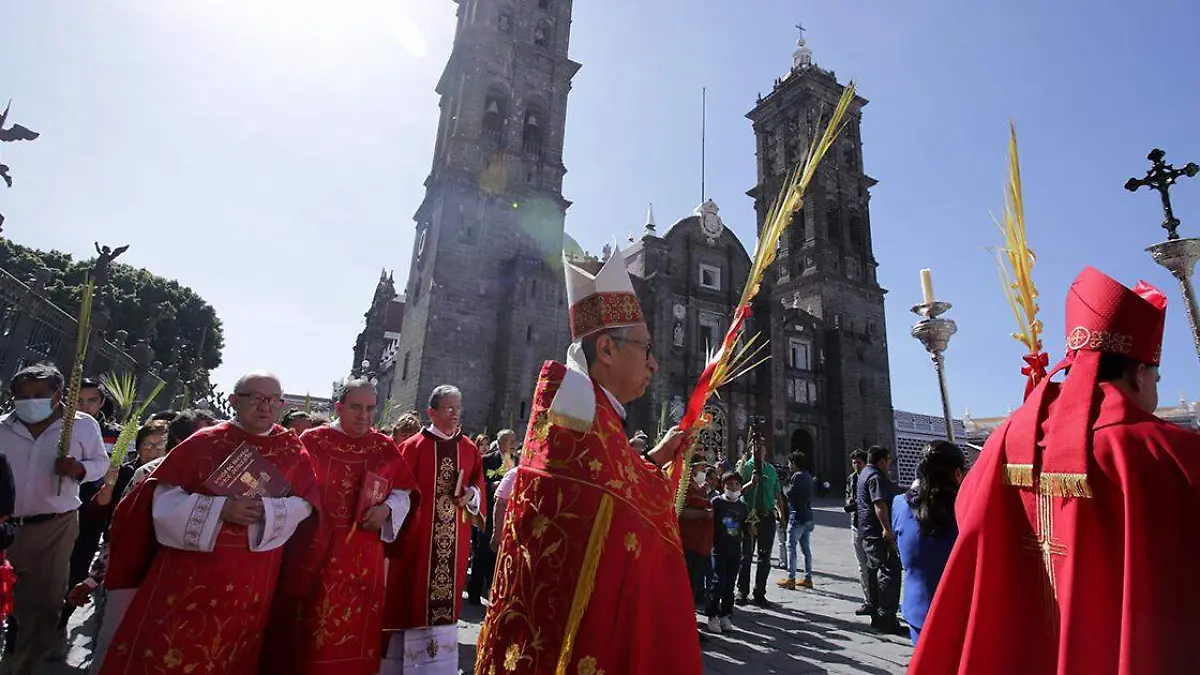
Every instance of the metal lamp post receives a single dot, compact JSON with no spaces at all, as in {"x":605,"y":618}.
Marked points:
{"x":935,"y":332}
{"x":1177,"y":255}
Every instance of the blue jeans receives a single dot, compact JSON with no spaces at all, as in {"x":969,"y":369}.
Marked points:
{"x":799,"y":533}
{"x":915,"y":634}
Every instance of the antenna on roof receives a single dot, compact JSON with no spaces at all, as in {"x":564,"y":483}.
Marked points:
{"x":703,"y":141}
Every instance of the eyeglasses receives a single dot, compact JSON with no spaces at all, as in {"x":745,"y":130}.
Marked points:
{"x":257,"y":400}
{"x":647,"y":345}
{"x":358,"y":407}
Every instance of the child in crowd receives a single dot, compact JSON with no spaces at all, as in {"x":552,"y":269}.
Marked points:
{"x":729,"y":523}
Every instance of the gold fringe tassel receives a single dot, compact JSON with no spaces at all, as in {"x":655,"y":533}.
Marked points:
{"x":586,"y":583}
{"x":1018,"y":475}
{"x":1065,"y":485}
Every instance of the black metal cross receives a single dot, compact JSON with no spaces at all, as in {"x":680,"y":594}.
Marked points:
{"x":800,"y":27}
{"x":1161,"y":177}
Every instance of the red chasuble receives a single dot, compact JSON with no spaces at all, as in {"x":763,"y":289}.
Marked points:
{"x":590,"y":576}
{"x":1087,"y":586}
{"x":428,"y":562}
{"x":335,"y":630}
{"x":194,"y":611}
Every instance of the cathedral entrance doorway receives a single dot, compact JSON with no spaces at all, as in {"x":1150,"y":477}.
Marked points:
{"x":802,"y":441}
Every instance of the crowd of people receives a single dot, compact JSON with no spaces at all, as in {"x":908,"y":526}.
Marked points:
{"x":331,"y":547}
{"x":280,"y":542}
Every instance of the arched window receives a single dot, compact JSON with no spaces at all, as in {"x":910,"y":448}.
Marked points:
{"x":493,"y":117}
{"x":531,"y":133}
{"x":856,"y":232}
{"x":834,"y":223}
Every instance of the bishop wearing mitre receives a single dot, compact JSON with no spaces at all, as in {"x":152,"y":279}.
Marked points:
{"x":590,"y":573}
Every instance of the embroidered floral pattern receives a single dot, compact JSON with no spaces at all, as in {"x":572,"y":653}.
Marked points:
{"x":442,"y":568}
{"x":587,"y":666}
{"x":194,"y":529}
{"x":1099,"y":341}
{"x":602,"y":310}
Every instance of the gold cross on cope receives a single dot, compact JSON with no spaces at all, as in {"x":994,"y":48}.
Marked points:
{"x":1044,"y":543}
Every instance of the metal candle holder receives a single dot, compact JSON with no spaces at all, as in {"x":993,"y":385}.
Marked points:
{"x":1177,"y":255}
{"x":935,"y":332}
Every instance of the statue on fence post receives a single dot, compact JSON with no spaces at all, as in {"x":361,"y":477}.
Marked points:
{"x":14,"y":133}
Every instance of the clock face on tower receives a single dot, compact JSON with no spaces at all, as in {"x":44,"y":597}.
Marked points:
{"x":710,"y":223}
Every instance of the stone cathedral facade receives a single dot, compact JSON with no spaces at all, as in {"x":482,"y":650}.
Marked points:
{"x":484,"y":304}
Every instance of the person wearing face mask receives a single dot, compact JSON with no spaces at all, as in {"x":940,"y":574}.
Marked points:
{"x":729,"y":517}
{"x":46,"y":508}
{"x":696,"y":531}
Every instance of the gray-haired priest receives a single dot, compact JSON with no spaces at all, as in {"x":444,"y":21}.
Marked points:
{"x":428,"y":566}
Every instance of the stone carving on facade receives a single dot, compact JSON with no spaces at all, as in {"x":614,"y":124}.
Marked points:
{"x":676,"y":410}
{"x":710,"y":222}
{"x":677,"y":334}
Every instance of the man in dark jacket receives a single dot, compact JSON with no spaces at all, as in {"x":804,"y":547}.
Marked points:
{"x":858,"y":459}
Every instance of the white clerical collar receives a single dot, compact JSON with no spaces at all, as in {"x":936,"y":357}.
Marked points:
{"x":438,"y":432}
{"x":239,"y":425}
{"x":613,"y":400}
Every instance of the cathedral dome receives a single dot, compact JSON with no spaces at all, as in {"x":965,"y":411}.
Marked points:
{"x":571,"y":248}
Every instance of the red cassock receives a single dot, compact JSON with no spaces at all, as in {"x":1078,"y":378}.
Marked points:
{"x":1118,"y":598}
{"x":590,"y":576}
{"x":335,"y":629}
{"x":201,"y":612}
{"x":427,"y":567}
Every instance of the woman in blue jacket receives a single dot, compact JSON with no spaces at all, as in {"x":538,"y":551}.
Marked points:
{"x":923,"y":520}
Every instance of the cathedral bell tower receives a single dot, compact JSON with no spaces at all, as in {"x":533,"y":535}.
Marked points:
{"x":485,"y":291}
{"x":831,"y":391}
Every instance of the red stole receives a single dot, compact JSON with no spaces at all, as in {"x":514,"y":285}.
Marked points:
{"x":200,"y":612}
{"x":335,"y":630}
{"x":590,"y":575}
{"x":1045,"y":585}
{"x":428,"y":562}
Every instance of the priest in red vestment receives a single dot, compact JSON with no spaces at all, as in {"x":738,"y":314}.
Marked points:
{"x":590,"y":575}
{"x":1076,"y":523}
{"x":335,"y":629}
{"x":427,"y":567}
{"x":197,"y":571}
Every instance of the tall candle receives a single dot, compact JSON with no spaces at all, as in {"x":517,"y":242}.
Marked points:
{"x":927,"y":285}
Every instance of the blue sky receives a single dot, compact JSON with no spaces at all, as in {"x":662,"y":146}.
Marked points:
{"x":270,"y":154}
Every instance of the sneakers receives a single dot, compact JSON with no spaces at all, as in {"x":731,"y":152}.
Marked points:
{"x":864,"y":610}
{"x":726,"y":624}
{"x":807,"y":583}
{"x":789,"y":584}
{"x":714,"y":625}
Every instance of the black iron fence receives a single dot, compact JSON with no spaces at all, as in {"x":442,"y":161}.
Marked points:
{"x":35,"y":330}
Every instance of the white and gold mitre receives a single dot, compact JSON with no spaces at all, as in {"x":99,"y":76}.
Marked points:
{"x":597,"y":302}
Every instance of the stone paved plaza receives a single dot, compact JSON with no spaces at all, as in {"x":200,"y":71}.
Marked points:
{"x":808,"y":632}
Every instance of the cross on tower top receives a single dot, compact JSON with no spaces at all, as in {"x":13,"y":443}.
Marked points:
{"x":800,"y":27}
{"x":1161,"y":176}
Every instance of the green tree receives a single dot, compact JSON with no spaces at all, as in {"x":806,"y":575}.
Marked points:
{"x":133,"y":297}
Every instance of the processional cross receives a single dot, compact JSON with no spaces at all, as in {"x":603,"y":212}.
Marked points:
{"x":1161,"y":176}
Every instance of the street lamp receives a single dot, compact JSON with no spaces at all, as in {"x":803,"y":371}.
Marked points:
{"x":1178,"y":255}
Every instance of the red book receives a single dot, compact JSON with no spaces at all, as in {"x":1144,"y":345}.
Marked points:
{"x":374,"y":491}
{"x":246,"y":473}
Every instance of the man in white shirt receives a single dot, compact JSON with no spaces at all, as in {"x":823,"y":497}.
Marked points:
{"x":47,"y":504}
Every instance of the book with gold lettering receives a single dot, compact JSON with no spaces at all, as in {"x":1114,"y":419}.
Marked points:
{"x":246,"y":473}
{"x":374,"y":491}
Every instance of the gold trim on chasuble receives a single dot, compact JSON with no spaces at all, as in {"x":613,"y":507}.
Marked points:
{"x":586,"y":583}
{"x":443,"y":572}
{"x":603,"y":310}
{"x":1049,"y":486}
